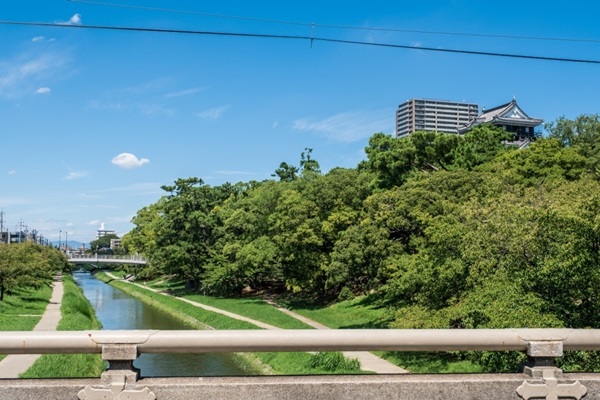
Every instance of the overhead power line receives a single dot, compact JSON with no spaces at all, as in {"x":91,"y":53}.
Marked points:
{"x":347,"y":27}
{"x":311,"y":39}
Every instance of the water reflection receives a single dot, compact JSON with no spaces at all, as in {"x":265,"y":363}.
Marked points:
{"x":117,"y":310}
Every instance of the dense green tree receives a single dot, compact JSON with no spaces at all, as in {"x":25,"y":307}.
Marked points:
{"x":28,"y":265}
{"x":582,"y":134}
{"x":184,"y":246}
{"x":142,"y":238}
{"x":296,"y":230}
{"x":395,"y":160}
{"x":246,"y":255}
{"x":286,"y":172}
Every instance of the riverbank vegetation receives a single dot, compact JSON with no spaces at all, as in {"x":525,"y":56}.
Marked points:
{"x":77,"y":315}
{"x":438,"y":231}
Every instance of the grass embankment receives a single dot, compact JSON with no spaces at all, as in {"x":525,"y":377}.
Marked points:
{"x":368,"y":312}
{"x":259,"y":363}
{"x":77,"y":314}
{"x":22,"y":309}
{"x":251,"y":308}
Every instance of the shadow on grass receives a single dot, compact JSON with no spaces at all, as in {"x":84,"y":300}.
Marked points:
{"x":432,"y":362}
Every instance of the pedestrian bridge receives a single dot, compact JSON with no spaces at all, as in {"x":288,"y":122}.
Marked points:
{"x":105,"y":259}
{"x":540,"y":380}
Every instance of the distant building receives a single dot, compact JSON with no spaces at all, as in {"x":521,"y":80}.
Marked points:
{"x":510,"y":117}
{"x":115,"y":244}
{"x":103,"y":232}
{"x":433,"y":115}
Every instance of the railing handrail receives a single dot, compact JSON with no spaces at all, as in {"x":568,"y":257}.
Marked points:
{"x":105,"y":257}
{"x":201,"y":341}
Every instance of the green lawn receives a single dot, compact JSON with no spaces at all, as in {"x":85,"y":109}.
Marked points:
{"x":251,"y":308}
{"x":364,"y":312}
{"x":24,"y":302}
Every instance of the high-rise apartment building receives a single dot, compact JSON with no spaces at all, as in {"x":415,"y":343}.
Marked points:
{"x":433,"y":115}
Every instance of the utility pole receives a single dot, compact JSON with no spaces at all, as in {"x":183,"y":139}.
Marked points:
{"x":66,"y":241}
{"x":59,"y":237}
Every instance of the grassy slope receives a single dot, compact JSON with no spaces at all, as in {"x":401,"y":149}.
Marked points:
{"x":365,"y":312}
{"x":23,"y":309}
{"x":252,"y":308}
{"x":77,"y":314}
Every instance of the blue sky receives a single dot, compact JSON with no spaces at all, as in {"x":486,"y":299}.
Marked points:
{"x":94,"y":122}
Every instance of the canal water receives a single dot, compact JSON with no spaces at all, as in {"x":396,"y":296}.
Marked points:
{"x":117,"y":310}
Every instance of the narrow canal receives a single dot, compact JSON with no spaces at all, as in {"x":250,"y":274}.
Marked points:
{"x":117,"y":310}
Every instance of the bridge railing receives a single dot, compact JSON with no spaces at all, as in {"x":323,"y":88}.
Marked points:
{"x":106,"y":259}
{"x":121,"y":348}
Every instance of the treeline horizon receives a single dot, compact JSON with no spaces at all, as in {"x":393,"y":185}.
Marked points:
{"x":446,"y":231}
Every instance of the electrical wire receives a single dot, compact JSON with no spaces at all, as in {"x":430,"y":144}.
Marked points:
{"x":311,"y":39}
{"x":347,"y":27}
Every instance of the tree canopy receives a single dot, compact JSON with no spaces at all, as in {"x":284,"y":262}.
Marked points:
{"x":28,"y":265}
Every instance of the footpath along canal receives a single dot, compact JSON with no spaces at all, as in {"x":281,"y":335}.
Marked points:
{"x":118,"y":310}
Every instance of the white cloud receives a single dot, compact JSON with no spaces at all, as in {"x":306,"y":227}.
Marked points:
{"x":75,"y":175}
{"x":128,"y":160}
{"x":350,"y":126}
{"x":43,"y":90}
{"x":186,"y":92}
{"x":75,"y":20}
{"x":94,"y":222}
{"x":19,"y":75}
{"x":38,"y":39}
{"x":213,"y":113}
{"x":147,"y":109}
{"x":151,"y":110}
{"x":12,"y":172}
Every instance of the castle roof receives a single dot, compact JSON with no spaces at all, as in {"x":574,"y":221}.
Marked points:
{"x":504,"y":115}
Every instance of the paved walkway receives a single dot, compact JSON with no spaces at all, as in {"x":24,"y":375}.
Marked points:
{"x":368,"y":361}
{"x":14,"y":365}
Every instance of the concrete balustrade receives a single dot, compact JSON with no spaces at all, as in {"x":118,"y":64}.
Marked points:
{"x":120,"y":348}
